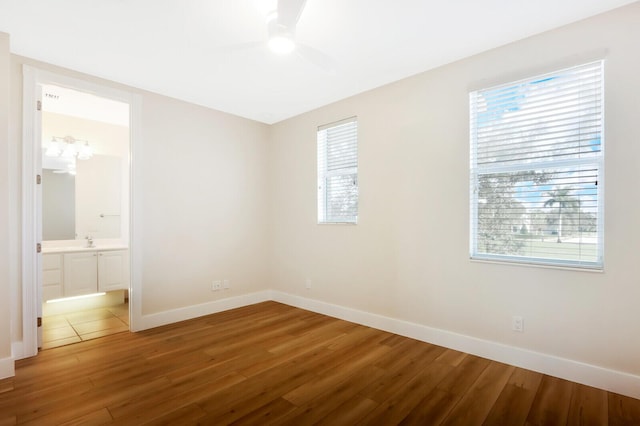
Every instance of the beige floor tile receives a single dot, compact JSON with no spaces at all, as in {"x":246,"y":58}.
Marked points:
{"x":54,"y":321}
{"x":89,"y":315}
{"x":102,"y":333}
{"x":49,"y":335}
{"x":120,"y":310}
{"x":60,"y":342}
{"x":85,"y":325}
{"x":99,"y":325}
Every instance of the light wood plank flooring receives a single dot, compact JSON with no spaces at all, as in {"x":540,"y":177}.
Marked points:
{"x":273,"y":364}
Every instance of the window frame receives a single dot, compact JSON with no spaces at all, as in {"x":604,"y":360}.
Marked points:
{"x":540,"y":166}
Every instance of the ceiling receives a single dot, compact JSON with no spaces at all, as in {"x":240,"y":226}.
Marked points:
{"x":201,"y":51}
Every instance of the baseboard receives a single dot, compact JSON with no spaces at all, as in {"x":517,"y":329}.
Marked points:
{"x":189,"y":312}
{"x":7,"y":368}
{"x":17,"y":350}
{"x":587,"y":374}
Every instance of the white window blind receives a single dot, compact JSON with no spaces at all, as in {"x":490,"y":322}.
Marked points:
{"x":537,"y":169}
{"x":338,"y":172}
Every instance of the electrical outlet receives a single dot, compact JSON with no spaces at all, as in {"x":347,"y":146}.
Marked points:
{"x":307,"y":283}
{"x":517,"y":324}
{"x":216,"y":286}
{"x":226,"y":284}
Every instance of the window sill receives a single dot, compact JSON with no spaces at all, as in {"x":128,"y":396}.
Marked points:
{"x":598,"y":269}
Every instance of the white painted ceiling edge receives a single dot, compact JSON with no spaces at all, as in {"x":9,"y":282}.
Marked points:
{"x":198,"y":51}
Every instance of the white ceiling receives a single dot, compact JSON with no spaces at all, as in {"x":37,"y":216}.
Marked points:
{"x":183,"y":48}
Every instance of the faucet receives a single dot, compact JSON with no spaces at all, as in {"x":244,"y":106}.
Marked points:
{"x":89,"y":239}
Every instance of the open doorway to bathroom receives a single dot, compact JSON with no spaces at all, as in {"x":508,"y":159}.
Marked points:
{"x":85,"y":216}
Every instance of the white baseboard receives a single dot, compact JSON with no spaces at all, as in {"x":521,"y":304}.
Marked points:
{"x":7,"y":368}
{"x":591,"y":375}
{"x":587,"y":374}
{"x":189,"y":312}
{"x":17,"y":350}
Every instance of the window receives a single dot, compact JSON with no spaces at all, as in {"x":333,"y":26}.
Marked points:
{"x":338,"y":172}
{"x":536,"y":169}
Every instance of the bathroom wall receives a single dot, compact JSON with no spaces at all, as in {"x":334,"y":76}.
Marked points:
{"x":106,"y":140}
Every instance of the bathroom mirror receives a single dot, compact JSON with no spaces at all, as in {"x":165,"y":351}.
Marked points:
{"x":58,"y":205}
{"x":85,"y":204}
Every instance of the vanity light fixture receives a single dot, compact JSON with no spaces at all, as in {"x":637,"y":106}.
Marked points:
{"x":68,"y":147}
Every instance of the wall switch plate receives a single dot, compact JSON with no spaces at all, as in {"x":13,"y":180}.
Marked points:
{"x":226,"y":284}
{"x":216,"y":286}
{"x":517,"y":323}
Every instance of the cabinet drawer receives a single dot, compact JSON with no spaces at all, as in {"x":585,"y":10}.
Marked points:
{"x":51,"y":261}
{"x":51,"y":292}
{"x":52,"y":277}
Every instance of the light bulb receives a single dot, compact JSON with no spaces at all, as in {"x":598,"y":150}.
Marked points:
{"x":69,"y":151}
{"x":84,"y":151}
{"x":53,"y":149}
{"x":281,"y":45}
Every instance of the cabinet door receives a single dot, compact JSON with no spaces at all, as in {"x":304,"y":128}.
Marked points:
{"x":113,"y":270}
{"x":80,"y":273}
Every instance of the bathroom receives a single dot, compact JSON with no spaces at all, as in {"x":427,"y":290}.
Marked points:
{"x":84,"y":205}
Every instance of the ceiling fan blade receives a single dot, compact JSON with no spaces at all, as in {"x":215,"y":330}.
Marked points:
{"x":289,"y":12}
{"x":316,"y":58}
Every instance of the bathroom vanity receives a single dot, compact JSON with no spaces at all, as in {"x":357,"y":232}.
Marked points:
{"x":73,"y":271}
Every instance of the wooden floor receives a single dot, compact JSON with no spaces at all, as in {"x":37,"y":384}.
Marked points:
{"x":274,"y":364}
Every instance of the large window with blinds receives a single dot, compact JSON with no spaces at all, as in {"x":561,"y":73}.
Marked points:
{"x":537,"y":169}
{"x":338,"y":172}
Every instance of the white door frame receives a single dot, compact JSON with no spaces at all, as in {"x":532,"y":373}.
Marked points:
{"x":33,"y":78}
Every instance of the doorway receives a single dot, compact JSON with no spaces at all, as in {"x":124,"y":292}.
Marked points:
{"x":77,"y":255}
{"x":85,"y":216}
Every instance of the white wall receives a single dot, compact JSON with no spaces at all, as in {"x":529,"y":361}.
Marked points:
{"x":408,"y":258}
{"x":203,"y":201}
{"x":219,"y":201}
{"x":204,"y":204}
{"x":6,"y":363}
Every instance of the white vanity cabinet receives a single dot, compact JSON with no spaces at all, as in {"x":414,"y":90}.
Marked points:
{"x":51,"y":276}
{"x":113,"y":270}
{"x":80,"y":273}
{"x":87,"y":271}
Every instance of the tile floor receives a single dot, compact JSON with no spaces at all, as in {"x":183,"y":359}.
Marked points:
{"x":60,"y":330}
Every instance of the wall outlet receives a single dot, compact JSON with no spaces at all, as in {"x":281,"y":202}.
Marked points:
{"x":517,"y":324}
{"x":216,"y":286}
{"x":307,"y":283}
{"x":226,"y":284}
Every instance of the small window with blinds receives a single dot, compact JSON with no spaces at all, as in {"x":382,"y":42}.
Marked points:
{"x":537,"y":169}
{"x":338,"y":172}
